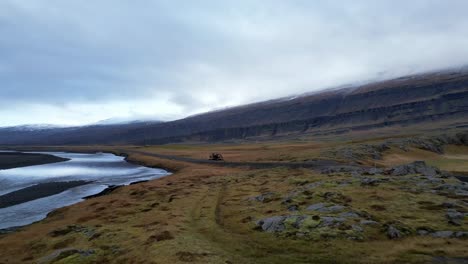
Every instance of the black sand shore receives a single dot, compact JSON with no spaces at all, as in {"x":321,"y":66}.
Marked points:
{"x":37,"y":191}
{"x":9,"y":160}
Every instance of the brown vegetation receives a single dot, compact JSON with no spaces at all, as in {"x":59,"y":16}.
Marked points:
{"x":206,"y":213}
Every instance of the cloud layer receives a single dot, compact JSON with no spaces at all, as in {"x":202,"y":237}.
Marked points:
{"x":70,"y":62}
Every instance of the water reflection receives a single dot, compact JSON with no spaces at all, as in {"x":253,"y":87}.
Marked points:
{"x":101,"y":168}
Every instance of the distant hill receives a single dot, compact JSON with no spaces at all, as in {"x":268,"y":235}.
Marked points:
{"x":417,"y":99}
{"x":126,"y":121}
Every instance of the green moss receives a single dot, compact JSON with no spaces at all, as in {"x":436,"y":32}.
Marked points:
{"x":323,"y":233}
{"x":290,"y":222}
{"x":329,"y":185}
{"x":309,"y":223}
{"x":76,"y":259}
{"x":298,"y":181}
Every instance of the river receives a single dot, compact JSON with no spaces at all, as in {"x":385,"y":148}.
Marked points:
{"x":100,"y":169}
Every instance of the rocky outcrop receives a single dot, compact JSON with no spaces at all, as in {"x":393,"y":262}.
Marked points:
{"x":272,"y":224}
{"x":264,"y":198}
{"x":417,"y":167}
{"x":454,"y":217}
{"x":61,"y":254}
{"x":376,"y":151}
{"x":323,"y":208}
{"x":436,"y":143}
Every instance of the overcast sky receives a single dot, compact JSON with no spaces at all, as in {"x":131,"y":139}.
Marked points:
{"x":78,"y":62}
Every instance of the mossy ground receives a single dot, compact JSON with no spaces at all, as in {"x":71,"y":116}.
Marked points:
{"x":205,"y":214}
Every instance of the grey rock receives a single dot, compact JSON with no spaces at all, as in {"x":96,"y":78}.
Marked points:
{"x":430,"y":144}
{"x":447,"y":187}
{"x":86,"y":253}
{"x":300,"y":234}
{"x":448,"y":205}
{"x":373,"y":171}
{"x":349,"y":215}
{"x":344,"y":183}
{"x":462,"y":193}
{"x":329,"y":221}
{"x":323,"y":208}
{"x":417,"y":167}
{"x":442,"y":234}
{"x":403,"y":147}
{"x":423,"y":232}
{"x":272,"y":224}
{"x":266,"y":197}
{"x":293,"y":208}
{"x":369,"y":182}
{"x":433,"y":180}
{"x":60,"y":254}
{"x":331,"y":209}
{"x":393,"y":232}
{"x":400,"y":171}
{"x":316,"y":207}
{"x":461,"y":234}
{"x":368,"y":222}
{"x":454,"y":217}
{"x":342,"y":169}
{"x":357,"y":228}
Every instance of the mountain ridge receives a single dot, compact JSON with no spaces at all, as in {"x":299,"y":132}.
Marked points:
{"x":423,"y":98}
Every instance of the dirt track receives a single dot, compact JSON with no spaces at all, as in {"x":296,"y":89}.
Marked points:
{"x":314,"y":164}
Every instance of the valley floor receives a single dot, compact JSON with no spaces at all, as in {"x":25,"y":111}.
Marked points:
{"x":352,"y":203}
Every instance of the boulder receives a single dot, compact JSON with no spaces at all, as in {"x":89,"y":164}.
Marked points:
{"x":454,"y":217}
{"x":332,"y":209}
{"x":370,"y":182}
{"x":368,"y":222}
{"x":462,"y":193}
{"x":393,"y":232}
{"x":423,"y":232}
{"x":272,"y":224}
{"x":461,"y":234}
{"x":342,"y":169}
{"x":330,"y":221}
{"x":349,"y":215}
{"x":442,"y":234}
{"x":316,"y":207}
{"x":400,"y":170}
{"x":323,"y":208}
{"x":357,"y":228}
{"x":417,"y":167}
{"x":373,"y":171}
{"x":293,"y":208}
{"x":264,"y":198}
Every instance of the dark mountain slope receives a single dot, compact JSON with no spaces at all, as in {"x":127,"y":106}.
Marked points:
{"x":411,"y":100}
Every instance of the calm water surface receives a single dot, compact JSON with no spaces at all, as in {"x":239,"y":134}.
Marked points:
{"x":101,"y":168}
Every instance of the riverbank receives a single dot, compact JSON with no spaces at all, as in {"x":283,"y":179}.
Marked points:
{"x":10,"y":160}
{"x":37,"y":191}
{"x":28,"y":194}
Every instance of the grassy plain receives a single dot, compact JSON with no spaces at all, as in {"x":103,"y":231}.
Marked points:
{"x":205,"y":213}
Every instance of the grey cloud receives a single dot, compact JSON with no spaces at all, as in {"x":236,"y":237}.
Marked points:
{"x":209,"y":54}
